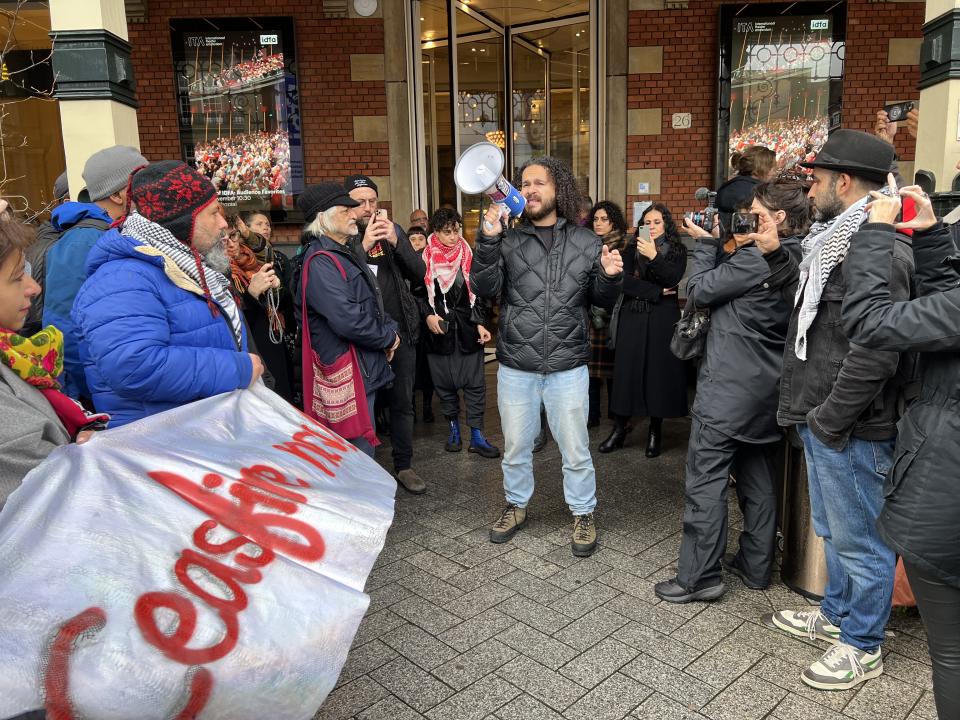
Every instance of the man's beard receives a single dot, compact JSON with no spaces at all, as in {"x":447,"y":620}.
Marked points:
{"x":545,"y":209}
{"x":828,"y":211}
{"x":216,"y":257}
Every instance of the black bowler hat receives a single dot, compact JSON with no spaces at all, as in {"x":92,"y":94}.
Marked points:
{"x":323,"y":196}
{"x":855,"y":153}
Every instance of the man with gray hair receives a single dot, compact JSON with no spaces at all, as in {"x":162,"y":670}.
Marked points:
{"x":80,"y":225}
{"x":344,"y":311}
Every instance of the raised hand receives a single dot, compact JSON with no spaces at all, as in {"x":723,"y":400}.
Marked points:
{"x":492,"y":224}
{"x":610,"y":261}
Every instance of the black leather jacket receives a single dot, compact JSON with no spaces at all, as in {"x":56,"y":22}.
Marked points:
{"x":545,"y":296}
{"x":922,"y":491}
{"x":843,"y":390}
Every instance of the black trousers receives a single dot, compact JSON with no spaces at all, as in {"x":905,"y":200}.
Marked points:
{"x":711,"y":456}
{"x":404,"y":366}
{"x":939,"y":606}
{"x":596,"y":384}
{"x":460,"y":371}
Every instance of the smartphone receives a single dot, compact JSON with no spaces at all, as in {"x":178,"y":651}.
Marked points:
{"x":643,"y":232}
{"x":898,"y":111}
{"x":444,"y":326}
{"x":382,"y":214}
{"x":745,"y":223}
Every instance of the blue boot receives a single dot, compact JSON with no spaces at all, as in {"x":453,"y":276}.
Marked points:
{"x":479,"y":445}
{"x":453,"y":442}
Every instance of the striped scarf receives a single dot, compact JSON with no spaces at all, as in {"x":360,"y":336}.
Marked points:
{"x":210,"y":281}
{"x":824,"y":249}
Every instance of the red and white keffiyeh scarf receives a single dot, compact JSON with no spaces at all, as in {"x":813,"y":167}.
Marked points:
{"x":443,"y":263}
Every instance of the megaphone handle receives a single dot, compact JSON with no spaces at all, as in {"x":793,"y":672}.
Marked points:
{"x":487,"y":225}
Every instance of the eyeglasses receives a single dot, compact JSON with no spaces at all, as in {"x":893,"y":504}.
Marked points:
{"x":27,"y":268}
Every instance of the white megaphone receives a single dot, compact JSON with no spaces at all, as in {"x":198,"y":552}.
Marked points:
{"x":480,"y":170}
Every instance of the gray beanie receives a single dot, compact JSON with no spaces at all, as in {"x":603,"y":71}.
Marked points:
{"x":60,"y":187}
{"x":108,"y":171}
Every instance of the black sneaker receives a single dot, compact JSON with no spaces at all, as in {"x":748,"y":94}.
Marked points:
{"x":731,"y":565}
{"x":672,"y":591}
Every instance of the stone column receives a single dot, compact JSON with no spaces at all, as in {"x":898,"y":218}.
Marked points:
{"x":938,"y":139}
{"x":95,"y":86}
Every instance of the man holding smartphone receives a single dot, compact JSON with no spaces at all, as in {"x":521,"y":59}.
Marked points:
{"x":384,"y":246}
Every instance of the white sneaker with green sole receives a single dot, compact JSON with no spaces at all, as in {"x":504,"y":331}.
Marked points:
{"x":843,"y":667}
{"x":811,"y":624}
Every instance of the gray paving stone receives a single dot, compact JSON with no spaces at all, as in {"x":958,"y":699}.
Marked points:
{"x":475,"y":663}
{"x":476,"y":702}
{"x":587,"y":598}
{"x":660,"y":707}
{"x":440,"y":544}
{"x":621,"y":561}
{"x":435,"y":564}
{"x":477,"y":629}
{"x":724,"y":663}
{"x":542,"y":683}
{"x":418,"y":646}
{"x":749,"y":698}
{"x":477,"y":601}
{"x":364,"y":659}
{"x":591,"y":628}
{"x":595,"y":665}
{"x":535,"y":543}
{"x":532,"y":587}
{"x":925,"y":709}
{"x":795,"y":707}
{"x":653,"y":616}
{"x":669,"y":681}
{"x":524,"y":707}
{"x":573,"y":578}
{"x":375,"y":625}
{"x":778,"y":644}
{"x":655,"y":644}
{"x":479,"y":554}
{"x":534,"y":614}
{"x":386,"y":574}
{"x":425,"y":614}
{"x":389,"y":709}
{"x":534,"y":644}
{"x":531,"y":564}
{"x":480,"y":575}
{"x":912,"y":647}
{"x":415,"y":687}
{"x":787,"y":676}
{"x":430,"y":588}
{"x":910,"y":671}
{"x":883,"y":696}
{"x":351,"y":698}
{"x":622,"y":543}
{"x":707,"y":629}
{"x":612,"y":699}
{"x":628,"y":583}
{"x":387,"y":595}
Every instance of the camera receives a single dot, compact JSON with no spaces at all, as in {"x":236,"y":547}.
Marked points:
{"x":744,"y":223}
{"x":702,"y":218}
{"x":898,"y":111}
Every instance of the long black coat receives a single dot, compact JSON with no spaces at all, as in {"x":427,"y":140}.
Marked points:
{"x":647,"y":378}
{"x":920,"y":516}
{"x":739,"y":375}
{"x":545,"y":294}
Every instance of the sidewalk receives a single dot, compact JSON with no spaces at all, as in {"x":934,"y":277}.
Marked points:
{"x":460,"y":629}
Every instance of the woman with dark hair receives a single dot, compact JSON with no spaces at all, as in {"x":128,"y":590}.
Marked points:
{"x":756,"y":164}
{"x":741,"y":278}
{"x":606,"y":219}
{"x":455,"y":319}
{"x":648,"y":380}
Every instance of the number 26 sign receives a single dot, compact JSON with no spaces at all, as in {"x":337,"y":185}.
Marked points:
{"x":682,"y":121}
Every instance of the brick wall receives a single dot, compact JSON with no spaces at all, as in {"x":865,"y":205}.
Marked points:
{"x":328,"y":98}
{"x":688,"y":84}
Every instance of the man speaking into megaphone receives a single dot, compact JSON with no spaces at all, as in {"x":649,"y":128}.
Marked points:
{"x":547,"y":272}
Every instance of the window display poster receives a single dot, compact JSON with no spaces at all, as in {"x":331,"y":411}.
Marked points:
{"x":239,"y":108}
{"x":780,"y":83}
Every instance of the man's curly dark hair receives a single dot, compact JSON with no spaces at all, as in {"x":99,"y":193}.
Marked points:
{"x":444,"y":218}
{"x":568,"y":194}
{"x":617,"y":221}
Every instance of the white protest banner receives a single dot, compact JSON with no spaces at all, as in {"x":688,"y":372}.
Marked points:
{"x":206,"y":562}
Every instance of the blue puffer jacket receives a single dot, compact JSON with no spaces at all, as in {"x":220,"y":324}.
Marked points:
{"x":81,"y":225}
{"x":148,"y":344}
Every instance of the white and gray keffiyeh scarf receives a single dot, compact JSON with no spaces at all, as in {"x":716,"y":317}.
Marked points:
{"x":824,"y":248}
{"x":161,"y":239}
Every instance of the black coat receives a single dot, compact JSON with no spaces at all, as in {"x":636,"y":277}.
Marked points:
{"x":739,"y":374}
{"x":843,"y":390}
{"x":920,"y":516}
{"x":341,"y":312}
{"x":648,"y":379}
{"x":545,"y":295}
{"x":463,"y":319}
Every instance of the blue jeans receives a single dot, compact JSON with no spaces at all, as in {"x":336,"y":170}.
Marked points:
{"x":565,"y":395}
{"x":846,"y":496}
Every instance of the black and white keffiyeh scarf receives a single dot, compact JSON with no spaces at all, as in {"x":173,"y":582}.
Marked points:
{"x":189,"y":262}
{"x":824,"y":248}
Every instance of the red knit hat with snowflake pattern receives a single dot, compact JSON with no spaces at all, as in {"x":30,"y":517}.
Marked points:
{"x":171,"y":194}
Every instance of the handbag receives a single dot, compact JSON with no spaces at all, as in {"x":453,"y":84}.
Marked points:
{"x":690,"y":331}
{"x":333,"y":394}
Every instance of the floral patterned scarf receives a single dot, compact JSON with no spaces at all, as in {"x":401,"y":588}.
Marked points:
{"x":38,"y":360}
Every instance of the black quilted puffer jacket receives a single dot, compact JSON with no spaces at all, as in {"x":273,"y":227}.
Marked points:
{"x":545,"y":297}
